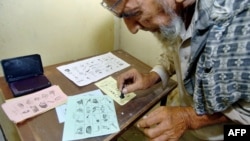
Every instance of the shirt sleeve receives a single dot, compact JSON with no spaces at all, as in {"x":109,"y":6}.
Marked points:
{"x":239,"y":112}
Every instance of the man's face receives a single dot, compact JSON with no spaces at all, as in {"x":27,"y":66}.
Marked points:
{"x":157,"y":16}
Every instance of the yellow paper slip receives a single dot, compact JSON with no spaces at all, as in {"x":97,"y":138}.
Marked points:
{"x":24,"y":107}
{"x":109,"y":87}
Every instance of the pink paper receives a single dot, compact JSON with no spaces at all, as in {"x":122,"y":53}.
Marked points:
{"x":24,"y":107}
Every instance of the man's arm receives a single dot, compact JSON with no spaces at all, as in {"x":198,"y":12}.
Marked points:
{"x":167,"y":123}
{"x":197,"y":121}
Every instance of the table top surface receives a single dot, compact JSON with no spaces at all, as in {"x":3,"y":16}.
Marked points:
{"x":46,"y":126}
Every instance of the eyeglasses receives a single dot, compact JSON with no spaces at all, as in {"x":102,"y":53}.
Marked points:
{"x":112,"y":8}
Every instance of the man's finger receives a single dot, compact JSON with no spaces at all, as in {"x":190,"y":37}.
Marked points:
{"x":156,"y":111}
{"x":130,"y":88}
{"x":156,"y":131}
{"x":149,"y":121}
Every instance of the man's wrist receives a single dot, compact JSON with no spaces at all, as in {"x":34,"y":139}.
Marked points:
{"x":195,"y":121}
{"x":150,"y":79}
{"x":154,"y":77}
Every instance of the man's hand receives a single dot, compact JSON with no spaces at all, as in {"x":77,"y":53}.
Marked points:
{"x":165,"y":123}
{"x":169,"y":123}
{"x":133,"y":80}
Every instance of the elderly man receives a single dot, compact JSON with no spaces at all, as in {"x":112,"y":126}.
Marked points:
{"x":207,"y":46}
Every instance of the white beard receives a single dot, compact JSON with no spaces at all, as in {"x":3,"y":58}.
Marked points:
{"x":170,"y":38}
{"x":169,"y":34}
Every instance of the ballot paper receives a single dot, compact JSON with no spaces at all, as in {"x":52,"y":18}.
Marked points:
{"x":109,"y":87}
{"x":93,"y":69}
{"x":24,"y":107}
{"x":89,"y":116}
{"x":62,"y":109}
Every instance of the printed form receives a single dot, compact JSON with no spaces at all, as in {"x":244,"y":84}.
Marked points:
{"x":93,"y":69}
{"x":89,"y":116}
{"x":21,"y":108}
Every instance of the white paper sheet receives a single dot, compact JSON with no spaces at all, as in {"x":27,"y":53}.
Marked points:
{"x":90,"y":70}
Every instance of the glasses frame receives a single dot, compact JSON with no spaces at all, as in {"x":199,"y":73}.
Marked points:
{"x":112,"y":8}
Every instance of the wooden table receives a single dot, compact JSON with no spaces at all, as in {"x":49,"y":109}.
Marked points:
{"x":45,"y":127}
